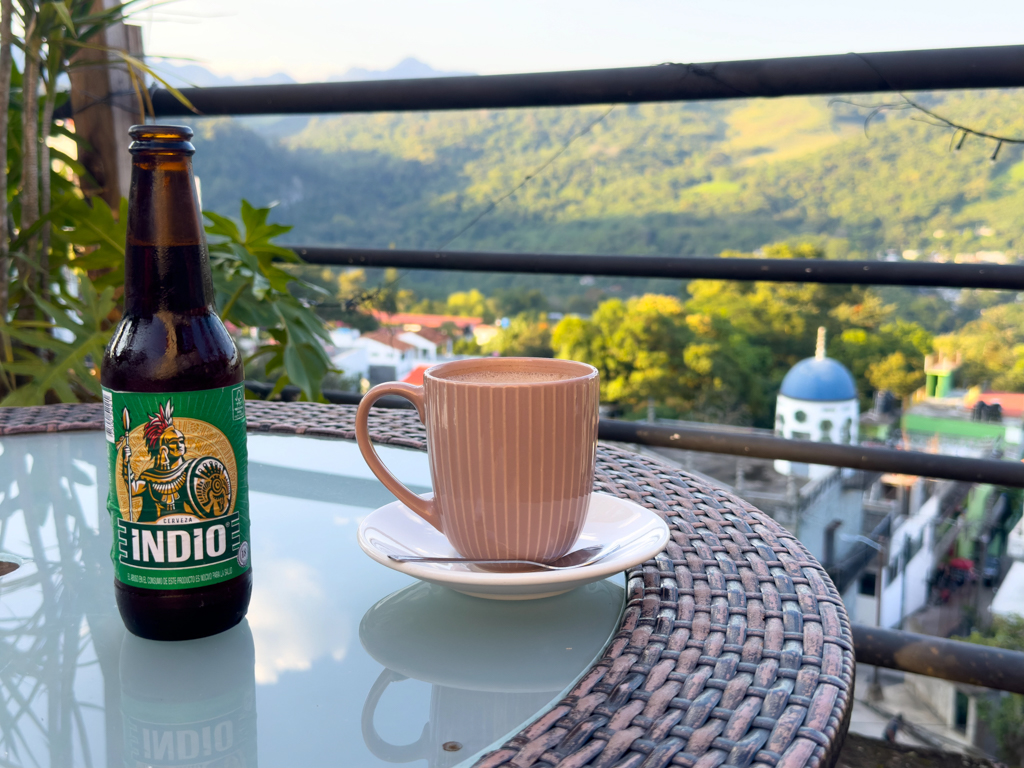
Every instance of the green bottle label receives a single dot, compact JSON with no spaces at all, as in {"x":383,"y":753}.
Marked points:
{"x":179,"y":490}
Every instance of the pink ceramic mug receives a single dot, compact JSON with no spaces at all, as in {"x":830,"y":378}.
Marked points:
{"x":511,"y":443}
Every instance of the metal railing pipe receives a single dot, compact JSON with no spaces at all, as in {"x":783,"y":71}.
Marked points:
{"x":1010,"y":277}
{"x":336,"y":397}
{"x":1008,"y":473}
{"x":951,"y":68}
{"x":955,"y":660}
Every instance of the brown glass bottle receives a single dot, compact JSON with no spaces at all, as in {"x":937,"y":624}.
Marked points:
{"x":170,"y":340}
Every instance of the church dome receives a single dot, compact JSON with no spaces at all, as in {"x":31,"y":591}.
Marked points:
{"x":817,"y":402}
{"x":820,"y":379}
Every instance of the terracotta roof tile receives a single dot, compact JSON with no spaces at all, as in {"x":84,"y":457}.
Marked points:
{"x":432,"y":334}
{"x":389,"y":337}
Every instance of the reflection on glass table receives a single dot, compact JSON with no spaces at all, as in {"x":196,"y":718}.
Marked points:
{"x":341,"y":661}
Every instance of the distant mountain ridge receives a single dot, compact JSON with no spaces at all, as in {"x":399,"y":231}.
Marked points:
{"x":196,"y":75}
{"x":408,"y":68}
{"x":690,"y":179}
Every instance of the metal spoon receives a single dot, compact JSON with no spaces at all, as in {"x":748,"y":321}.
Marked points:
{"x":575,"y":559}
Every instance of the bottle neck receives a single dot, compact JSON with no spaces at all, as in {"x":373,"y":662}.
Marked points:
{"x":167,"y":267}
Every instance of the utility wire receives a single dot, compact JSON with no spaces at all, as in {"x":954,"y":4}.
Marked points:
{"x":497,"y":201}
{"x":937,"y":120}
{"x":529,"y":177}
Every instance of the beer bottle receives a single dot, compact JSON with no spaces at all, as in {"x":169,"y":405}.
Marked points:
{"x":174,"y":413}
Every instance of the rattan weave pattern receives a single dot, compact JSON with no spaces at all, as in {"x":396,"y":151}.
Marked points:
{"x":734,"y":648}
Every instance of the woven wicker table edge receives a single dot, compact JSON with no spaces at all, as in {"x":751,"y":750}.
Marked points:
{"x":734,"y":647}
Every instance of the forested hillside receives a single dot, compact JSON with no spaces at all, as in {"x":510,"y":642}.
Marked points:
{"x":798,"y":178}
{"x":687,"y":179}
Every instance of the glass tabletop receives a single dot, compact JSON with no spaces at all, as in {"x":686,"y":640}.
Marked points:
{"x":340,"y":662}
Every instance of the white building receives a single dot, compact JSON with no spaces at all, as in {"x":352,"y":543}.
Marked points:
{"x":343,"y":337}
{"x":345,"y":354}
{"x":443,"y":344}
{"x":387,"y":354}
{"x":1009,"y":598}
{"x":353,"y":361}
{"x":912,"y":556}
{"x":389,"y":357}
{"x":426,"y":350}
{"x":818,"y":402}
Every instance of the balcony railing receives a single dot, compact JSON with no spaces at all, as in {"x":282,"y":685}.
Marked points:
{"x":966,"y":68}
{"x":944,"y":69}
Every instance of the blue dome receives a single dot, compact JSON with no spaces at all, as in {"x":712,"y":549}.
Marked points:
{"x":822,"y":379}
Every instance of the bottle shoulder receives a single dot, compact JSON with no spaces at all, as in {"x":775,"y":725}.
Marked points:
{"x":169,"y":352}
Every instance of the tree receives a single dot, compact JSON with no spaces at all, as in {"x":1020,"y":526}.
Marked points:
{"x":885,"y":354}
{"x":724,"y":372}
{"x":694,"y":365}
{"x":772,"y":326}
{"x":723,"y":353}
{"x":525,"y":336}
{"x":637,"y":345}
{"x":991,"y":348}
{"x":1005,"y":714}
{"x":781,"y":317}
{"x":514,"y":301}
{"x":896,"y":374}
{"x":471,"y":303}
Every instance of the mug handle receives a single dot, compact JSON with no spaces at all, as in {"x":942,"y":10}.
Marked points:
{"x":392,"y":753}
{"x":425,"y":508}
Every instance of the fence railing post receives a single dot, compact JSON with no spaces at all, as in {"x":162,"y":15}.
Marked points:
{"x":105,"y":106}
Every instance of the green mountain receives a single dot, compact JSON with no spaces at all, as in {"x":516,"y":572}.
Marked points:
{"x":686,"y":179}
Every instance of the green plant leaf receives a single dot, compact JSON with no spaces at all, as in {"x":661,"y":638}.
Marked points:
{"x":70,"y":370}
{"x":63,"y":14}
{"x":99,"y":237}
{"x":255,"y":291}
{"x":55,"y":213}
{"x":222,"y":226}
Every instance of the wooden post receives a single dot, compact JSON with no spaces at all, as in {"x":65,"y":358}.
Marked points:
{"x":105,"y":106}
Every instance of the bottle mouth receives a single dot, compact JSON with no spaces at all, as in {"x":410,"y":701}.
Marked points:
{"x":159,"y":139}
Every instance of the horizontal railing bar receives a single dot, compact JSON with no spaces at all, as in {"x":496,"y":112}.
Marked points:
{"x":992,"y":471}
{"x":941,"y":69}
{"x":1010,"y":277}
{"x":291,"y":392}
{"x":955,"y":660}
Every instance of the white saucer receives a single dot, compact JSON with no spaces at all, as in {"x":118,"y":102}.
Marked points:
{"x":610,"y":520}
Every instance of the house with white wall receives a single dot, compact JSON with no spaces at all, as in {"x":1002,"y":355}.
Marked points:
{"x":426,"y":350}
{"x":911,"y":554}
{"x":389,"y":358}
{"x":444,"y":345}
{"x":352,"y":362}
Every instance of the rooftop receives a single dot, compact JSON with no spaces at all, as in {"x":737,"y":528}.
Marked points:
{"x":819,"y":378}
{"x":431,"y":334}
{"x":415,"y":376}
{"x":389,"y":337}
{"x":1012,"y":403}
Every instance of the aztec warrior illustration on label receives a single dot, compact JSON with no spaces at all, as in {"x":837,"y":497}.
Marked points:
{"x":178,"y":500}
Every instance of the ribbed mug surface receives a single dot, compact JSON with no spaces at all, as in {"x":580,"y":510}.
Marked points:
{"x":512,"y":462}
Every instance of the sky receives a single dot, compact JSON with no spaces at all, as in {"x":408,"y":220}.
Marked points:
{"x":313,"y":39}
